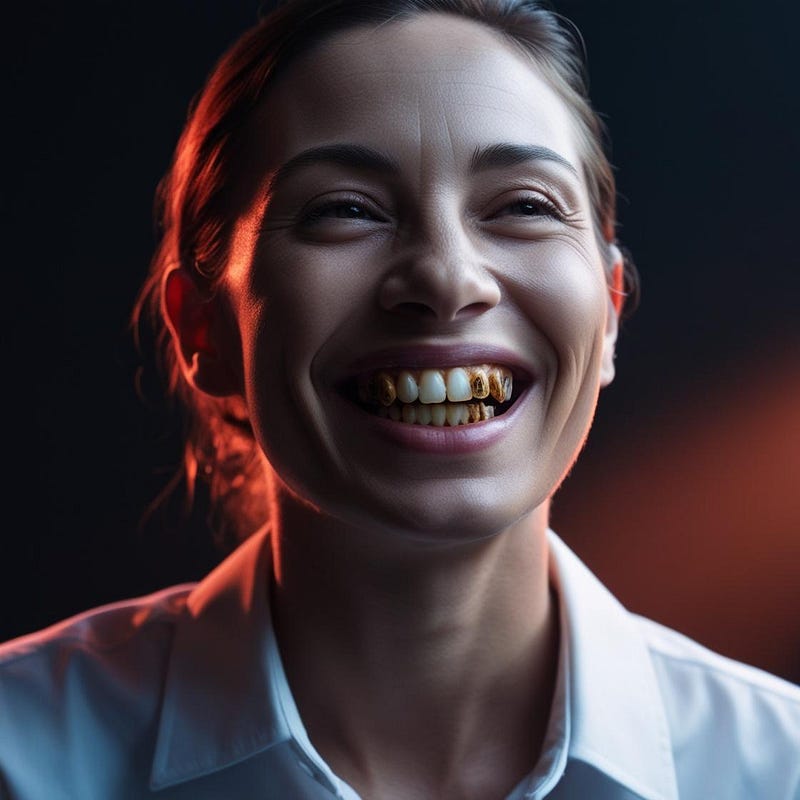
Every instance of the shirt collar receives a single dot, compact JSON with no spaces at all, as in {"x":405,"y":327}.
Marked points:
{"x":617,"y":719}
{"x":225,"y":624}
{"x":617,"y":722}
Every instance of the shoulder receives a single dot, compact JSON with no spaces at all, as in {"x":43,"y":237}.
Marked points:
{"x":726,"y":717}
{"x":95,"y":677}
{"x":94,"y":635}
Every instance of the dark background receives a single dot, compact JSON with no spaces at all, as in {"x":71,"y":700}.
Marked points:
{"x":686,"y":501}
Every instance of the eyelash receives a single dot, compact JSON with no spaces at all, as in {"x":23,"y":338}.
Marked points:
{"x":542,"y":205}
{"x":318,"y":214}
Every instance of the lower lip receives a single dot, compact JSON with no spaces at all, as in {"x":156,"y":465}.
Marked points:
{"x":443,"y":440}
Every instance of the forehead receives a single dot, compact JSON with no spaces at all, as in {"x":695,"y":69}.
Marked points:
{"x":429,"y":90}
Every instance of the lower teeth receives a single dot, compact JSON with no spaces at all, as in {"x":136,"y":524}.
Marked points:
{"x":437,"y":414}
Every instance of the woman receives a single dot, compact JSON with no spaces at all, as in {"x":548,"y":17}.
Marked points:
{"x":389,"y":289}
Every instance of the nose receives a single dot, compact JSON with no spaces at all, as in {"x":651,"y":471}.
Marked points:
{"x":440,"y":276}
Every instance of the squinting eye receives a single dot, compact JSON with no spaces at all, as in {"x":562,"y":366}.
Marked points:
{"x":532,"y":207}
{"x":339,"y":209}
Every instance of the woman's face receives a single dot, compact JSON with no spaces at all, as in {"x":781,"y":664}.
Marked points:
{"x":422,"y":210}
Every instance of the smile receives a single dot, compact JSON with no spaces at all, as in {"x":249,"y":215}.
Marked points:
{"x":437,"y":397}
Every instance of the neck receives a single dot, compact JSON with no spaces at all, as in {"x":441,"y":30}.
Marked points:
{"x":416,"y":661}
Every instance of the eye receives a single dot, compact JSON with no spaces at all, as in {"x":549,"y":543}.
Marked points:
{"x":529,"y":206}
{"x":340,"y":209}
{"x":340,"y":217}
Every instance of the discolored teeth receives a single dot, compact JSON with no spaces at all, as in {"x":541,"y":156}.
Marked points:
{"x":438,"y":415}
{"x":500,"y":385}
{"x":437,"y":397}
{"x":479,"y":381}
{"x":386,"y":389}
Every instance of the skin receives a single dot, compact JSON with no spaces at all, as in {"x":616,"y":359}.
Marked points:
{"x":418,"y":579}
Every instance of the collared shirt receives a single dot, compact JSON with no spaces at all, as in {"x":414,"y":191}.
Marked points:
{"x":181,"y":695}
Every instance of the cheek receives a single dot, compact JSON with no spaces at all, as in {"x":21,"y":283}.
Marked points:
{"x":564,"y":292}
{"x":304,"y":294}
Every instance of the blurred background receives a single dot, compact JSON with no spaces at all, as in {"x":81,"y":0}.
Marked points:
{"x":686,"y":500}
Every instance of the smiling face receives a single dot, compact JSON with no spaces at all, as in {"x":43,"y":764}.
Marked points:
{"x":422,"y":209}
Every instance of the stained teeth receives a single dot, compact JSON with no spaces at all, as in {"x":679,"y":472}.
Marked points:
{"x":458,"y":388}
{"x":479,"y":379}
{"x":386,"y":390}
{"x":432,"y":388}
{"x":500,"y":384}
{"x":437,"y":414}
{"x":407,"y":389}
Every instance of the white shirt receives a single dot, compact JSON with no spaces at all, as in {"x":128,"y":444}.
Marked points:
{"x":181,"y":695}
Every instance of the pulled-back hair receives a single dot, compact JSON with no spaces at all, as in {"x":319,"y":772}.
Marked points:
{"x":196,"y":206}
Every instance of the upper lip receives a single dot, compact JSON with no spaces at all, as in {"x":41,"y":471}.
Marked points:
{"x":429,"y":356}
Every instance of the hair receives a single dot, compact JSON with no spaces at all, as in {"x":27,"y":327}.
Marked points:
{"x":195,"y":208}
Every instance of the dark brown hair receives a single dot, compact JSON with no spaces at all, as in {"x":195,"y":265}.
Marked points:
{"x":195,"y":205}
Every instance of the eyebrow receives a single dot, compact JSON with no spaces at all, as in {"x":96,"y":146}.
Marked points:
{"x":506,"y":154}
{"x":354,"y":156}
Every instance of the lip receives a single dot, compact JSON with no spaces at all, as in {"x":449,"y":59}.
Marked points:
{"x":445,"y":440}
{"x":459,"y":440}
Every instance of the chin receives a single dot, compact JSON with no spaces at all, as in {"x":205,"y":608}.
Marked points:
{"x":446,"y":512}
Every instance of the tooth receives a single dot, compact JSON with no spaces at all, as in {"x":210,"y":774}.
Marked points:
{"x":488,"y":412}
{"x":474,"y":412}
{"x":407,"y":389}
{"x":458,"y":387}
{"x":431,"y":387}
{"x":409,"y":413}
{"x":386,"y":390}
{"x":438,"y":415}
{"x":394,"y":412}
{"x":423,"y":414}
{"x":453,"y":414}
{"x":367,"y":389}
{"x":500,"y":384}
{"x":479,"y":379}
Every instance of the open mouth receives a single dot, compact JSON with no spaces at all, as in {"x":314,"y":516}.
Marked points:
{"x":438,"y":397}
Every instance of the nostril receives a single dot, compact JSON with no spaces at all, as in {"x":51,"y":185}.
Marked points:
{"x":414,"y":309}
{"x":472,"y":310}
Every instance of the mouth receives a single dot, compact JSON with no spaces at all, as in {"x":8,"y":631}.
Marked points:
{"x":438,"y":397}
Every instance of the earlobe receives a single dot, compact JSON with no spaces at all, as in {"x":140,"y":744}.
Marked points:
{"x":196,"y":323}
{"x":616,"y":297}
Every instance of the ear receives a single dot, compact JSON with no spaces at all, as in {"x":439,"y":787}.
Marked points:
{"x":616,"y":296}
{"x":199,"y":331}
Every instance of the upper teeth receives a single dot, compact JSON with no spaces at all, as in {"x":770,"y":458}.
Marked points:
{"x":437,"y":385}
